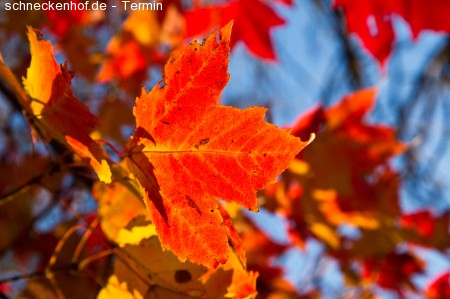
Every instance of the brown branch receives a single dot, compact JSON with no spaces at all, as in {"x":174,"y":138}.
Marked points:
{"x":17,"y":93}
{"x":39,"y":274}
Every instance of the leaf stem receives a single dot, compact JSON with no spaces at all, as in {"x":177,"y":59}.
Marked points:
{"x":112,"y":147}
{"x":86,"y":261}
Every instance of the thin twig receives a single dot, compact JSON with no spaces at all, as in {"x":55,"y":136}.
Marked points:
{"x":36,"y":275}
{"x":87,"y":234}
{"x":8,"y":196}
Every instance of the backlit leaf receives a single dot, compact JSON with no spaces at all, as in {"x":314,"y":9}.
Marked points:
{"x":157,"y":274}
{"x":117,"y":289}
{"x":373,"y":21}
{"x":253,"y":21}
{"x":122,"y":214}
{"x":439,"y":287}
{"x":188,"y":151}
{"x":64,"y":117}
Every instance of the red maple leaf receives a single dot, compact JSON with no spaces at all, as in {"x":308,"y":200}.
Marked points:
{"x":372,"y":21}
{"x":439,"y":287}
{"x":253,"y":20}
{"x":393,"y":270}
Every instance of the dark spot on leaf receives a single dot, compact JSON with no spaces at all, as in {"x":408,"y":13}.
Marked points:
{"x":192,"y":204}
{"x":212,"y":211}
{"x":196,"y":146}
{"x":166,"y":123}
{"x":183,"y":276}
{"x":204,"y":141}
{"x":265,"y":154}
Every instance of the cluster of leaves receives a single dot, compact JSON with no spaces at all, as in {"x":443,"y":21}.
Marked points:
{"x":342,"y":191}
{"x":167,"y":222}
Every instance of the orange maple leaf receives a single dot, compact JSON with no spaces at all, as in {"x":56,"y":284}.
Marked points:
{"x":62,"y":115}
{"x":188,"y":151}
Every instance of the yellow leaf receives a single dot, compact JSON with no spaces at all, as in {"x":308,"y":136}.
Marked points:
{"x":118,"y":206}
{"x":135,"y":235}
{"x":116,"y":289}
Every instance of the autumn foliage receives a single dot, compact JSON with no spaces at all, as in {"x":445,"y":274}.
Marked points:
{"x":127,"y":188}
{"x":373,"y":21}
